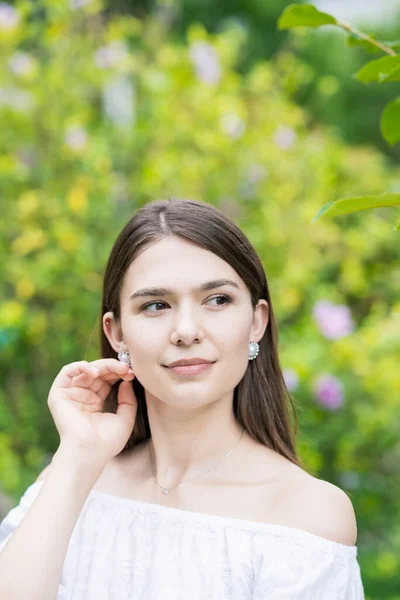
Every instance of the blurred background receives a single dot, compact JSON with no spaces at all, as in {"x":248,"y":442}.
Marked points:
{"x":105,"y":106}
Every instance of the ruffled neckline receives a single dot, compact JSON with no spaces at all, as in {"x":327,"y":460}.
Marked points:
{"x":218,"y":521}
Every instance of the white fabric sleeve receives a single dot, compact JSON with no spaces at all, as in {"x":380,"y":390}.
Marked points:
{"x":306,"y":567}
{"x":355,"y":588}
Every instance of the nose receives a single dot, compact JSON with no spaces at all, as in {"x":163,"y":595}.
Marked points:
{"x":186,"y":326}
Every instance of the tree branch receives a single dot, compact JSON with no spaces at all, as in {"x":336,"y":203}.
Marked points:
{"x":367,"y":38}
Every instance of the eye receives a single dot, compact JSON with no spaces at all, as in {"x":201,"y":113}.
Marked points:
{"x":225,"y":297}
{"x":143,"y":308}
{"x":227,"y":300}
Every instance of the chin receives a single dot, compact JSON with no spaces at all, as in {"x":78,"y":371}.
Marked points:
{"x":185,"y":402}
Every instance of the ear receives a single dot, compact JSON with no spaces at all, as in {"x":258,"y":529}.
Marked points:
{"x":260,"y":320}
{"x":113,"y":331}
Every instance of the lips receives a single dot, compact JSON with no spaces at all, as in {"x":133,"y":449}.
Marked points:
{"x":188,"y":370}
{"x":189,"y":361}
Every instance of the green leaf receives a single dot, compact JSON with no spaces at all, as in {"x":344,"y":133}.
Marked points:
{"x":390,"y":122}
{"x":394,"y":75}
{"x":345,"y":206}
{"x":381,"y":69}
{"x":354,"y":40}
{"x":304,"y":15}
{"x":393,"y":45}
{"x":397,"y":228}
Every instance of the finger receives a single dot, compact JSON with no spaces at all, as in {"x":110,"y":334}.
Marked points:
{"x":68,"y":372}
{"x":92,"y":381}
{"x":127,"y":403}
{"x":107,"y":373}
{"x":94,"y":394}
{"x":110,"y":365}
{"x":84,"y":398}
{"x":114,"y":372}
{"x":102,"y":385}
{"x":106,"y":366}
{"x":104,"y":390}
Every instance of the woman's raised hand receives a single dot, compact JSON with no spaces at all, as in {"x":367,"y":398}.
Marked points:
{"x":75,"y":402}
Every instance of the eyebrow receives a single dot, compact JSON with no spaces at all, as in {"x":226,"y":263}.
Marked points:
{"x":208,"y":285}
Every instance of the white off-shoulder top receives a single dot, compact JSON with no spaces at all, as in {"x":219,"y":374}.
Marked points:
{"x":123,"y":549}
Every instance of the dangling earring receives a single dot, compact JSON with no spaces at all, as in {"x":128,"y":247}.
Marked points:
{"x":124,"y":356}
{"x":254,"y":349}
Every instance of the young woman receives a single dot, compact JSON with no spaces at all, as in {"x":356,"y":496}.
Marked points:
{"x":176,"y":477}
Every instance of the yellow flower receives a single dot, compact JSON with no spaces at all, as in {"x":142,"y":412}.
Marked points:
{"x":28,"y":204}
{"x":68,"y":240}
{"x":29,"y":241}
{"x":77,"y":198}
{"x":11,"y":313}
{"x":25,"y":288}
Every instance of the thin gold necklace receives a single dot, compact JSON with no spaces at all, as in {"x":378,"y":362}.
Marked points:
{"x":166,"y":490}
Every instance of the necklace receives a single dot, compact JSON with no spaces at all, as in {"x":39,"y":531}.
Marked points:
{"x":166,"y":490}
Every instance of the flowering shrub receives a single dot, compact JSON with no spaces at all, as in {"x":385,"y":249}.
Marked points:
{"x":97,"y":118}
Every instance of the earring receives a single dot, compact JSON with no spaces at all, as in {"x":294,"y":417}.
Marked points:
{"x":254,"y":349}
{"x":124,"y":356}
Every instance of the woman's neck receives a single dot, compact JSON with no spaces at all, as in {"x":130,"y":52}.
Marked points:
{"x":184,"y":444}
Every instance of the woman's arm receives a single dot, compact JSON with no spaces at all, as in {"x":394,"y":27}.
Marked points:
{"x":32,"y":560}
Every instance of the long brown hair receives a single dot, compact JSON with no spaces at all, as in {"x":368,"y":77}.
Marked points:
{"x":261,"y":399}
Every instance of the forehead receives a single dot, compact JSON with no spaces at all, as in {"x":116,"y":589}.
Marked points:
{"x":177,"y":263}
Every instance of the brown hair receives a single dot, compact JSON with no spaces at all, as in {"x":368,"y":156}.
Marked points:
{"x":260,"y":401}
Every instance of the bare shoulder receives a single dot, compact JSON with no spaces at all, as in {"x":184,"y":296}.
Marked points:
{"x":42,"y":475}
{"x":323,"y":509}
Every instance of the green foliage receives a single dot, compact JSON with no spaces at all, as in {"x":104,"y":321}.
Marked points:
{"x":382,"y":70}
{"x":350,"y":205}
{"x":390,"y":121}
{"x":96,"y":118}
{"x":353,"y":40}
{"x":304,"y":15}
{"x":330,"y":94}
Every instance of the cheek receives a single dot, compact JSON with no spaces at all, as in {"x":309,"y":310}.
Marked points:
{"x":234,"y":366}
{"x":235,"y":352}
{"x":146,"y":344}
{"x":231,"y":344}
{"x":235,"y":338}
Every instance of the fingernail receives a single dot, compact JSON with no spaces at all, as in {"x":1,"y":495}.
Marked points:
{"x":95,"y":370}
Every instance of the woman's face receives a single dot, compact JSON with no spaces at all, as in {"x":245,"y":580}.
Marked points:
{"x":215,"y":324}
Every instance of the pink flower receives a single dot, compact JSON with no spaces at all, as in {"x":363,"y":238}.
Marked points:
{"x":9,"y":17}
{"x":291,"y":379}
{"x":109,"y":56}
{"x":233,"y":125}
{"x":16,"y":99}
{"x":21,"y":63}
{"x":328,"y":390}
{"x":206,"y":62}
{"x":256,"y":173}
{"x":333,"y":320}
{"x":285,"y":137}
{"x":75,"y":4}
{"x":119,"y":101}
{"x":76,"y":137}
